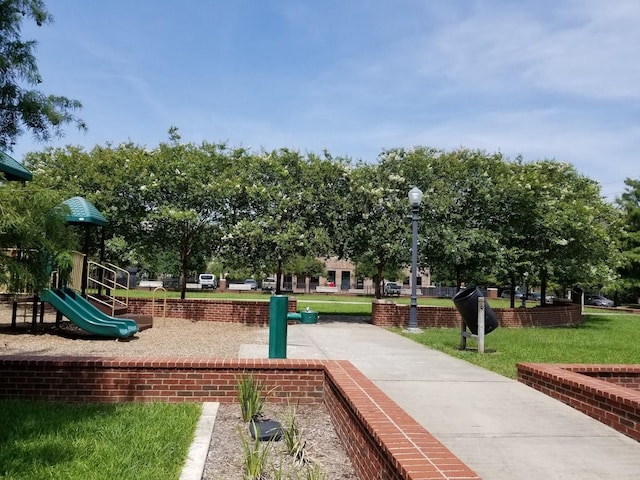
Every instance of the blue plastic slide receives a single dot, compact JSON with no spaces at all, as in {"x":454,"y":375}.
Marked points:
{"x":84,"y":318}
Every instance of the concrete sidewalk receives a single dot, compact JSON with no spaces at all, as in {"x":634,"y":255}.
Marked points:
{"x":500,"y":428}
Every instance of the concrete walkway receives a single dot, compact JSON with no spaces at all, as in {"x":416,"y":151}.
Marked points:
{"x":500,"y":428}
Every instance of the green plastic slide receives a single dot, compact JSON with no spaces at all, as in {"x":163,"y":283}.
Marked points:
{"x":83,"y":318}
{"x":89,"y":308}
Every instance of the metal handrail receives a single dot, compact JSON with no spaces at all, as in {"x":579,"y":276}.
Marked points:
{"x":153,"y":305}
{"x":128,"y":276}
{"x":109,"y":284}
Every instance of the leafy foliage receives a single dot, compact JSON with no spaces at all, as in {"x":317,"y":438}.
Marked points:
{"x":276,"y":213}
{"x":570,"y":234}
{"x":376,"y":231}
{"x":33,"y":237}
{"x":254,"y":456}
{"x":629,"y":205}
{"x":21,"y":107}
{"x":292,"y":436}
{"x":484,"y":220}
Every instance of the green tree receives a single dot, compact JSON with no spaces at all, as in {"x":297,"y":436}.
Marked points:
{"x":33,"y":237}
{"x":22,"y":107}
{"x":570,"y":234}
{"x":366,"y":269}
{"x":164,"y":205}
{"x":111,"y":178}
{"x":281,"y":206}
{"x":375,"y":227}
{"x":184,"y":202}
{"x":463,"y":206}
{"x":629,"y":270}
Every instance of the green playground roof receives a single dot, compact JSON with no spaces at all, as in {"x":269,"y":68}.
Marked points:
{"x":12,"y":169}
{"x":84,"y":212}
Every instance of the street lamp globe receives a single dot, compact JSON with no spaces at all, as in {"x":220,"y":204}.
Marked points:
{"x":415,"y":197}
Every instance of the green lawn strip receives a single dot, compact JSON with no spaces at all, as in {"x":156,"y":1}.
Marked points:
{"x":602,"y":338}
{"x":50,"y":440}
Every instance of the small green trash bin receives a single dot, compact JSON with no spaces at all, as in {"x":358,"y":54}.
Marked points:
{"x":309,"y":316}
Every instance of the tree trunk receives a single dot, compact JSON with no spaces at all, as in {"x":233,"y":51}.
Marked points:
{"x":512,"y":298}
{"x":183,"y":277}
{"x":543,"y":287}
{"x":378,"y":280}
{"x":279,"y":277}
{"x":458,"y":278}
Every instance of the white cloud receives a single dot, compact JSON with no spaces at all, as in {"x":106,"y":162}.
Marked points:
{"x":573,"y":47}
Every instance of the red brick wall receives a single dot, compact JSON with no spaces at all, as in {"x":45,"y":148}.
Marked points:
{"x":630,"y":380}
{"x":254,"y":312}
{"x":592,"y":389}
{"x":111,"y":380}
{"x":386,"y":313}
{"x":383,"y":442}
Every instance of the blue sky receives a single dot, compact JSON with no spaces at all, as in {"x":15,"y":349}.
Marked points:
{"x":553,"y":79}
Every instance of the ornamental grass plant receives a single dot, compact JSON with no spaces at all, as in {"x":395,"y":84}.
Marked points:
{"x":255,"y":455}
{"x":251,"y":397}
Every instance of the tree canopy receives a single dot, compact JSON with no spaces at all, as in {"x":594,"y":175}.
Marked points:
{"x":376,"y":233}
{"x":485,"y":220}
{"x":629,"y":205}
{"x":282,"y":206}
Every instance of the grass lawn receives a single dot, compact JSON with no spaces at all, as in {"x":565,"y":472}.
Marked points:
{"x":46,"y":440}
{"x":602,"y":338}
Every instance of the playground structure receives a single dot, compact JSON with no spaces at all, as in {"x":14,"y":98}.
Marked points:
{"x":101,"y":315}
{"x":88,"y":298}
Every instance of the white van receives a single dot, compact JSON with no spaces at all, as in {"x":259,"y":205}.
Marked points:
{"x":207,"y":280}
{"x":269,"y":284}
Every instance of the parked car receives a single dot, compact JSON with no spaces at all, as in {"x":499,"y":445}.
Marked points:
{"x":598,"y":301}
{"x":507,"y":294}
{"x":392,"y":288}
{"x":252,"y":282}
{"x":269,"y":284}
{"x":535,"y":296}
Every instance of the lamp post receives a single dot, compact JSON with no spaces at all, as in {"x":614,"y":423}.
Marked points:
{"x":524,"y":289}
{"x":415,"y":198}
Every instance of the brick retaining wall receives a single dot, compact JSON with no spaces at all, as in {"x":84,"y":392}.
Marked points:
{"x":386,"y":313}
{"x":253,"y":312}
{"x":596,"y":390}
{"x":383,"y":441}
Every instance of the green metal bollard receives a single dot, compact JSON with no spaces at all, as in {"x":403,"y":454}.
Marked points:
{"x":278,"y":306}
